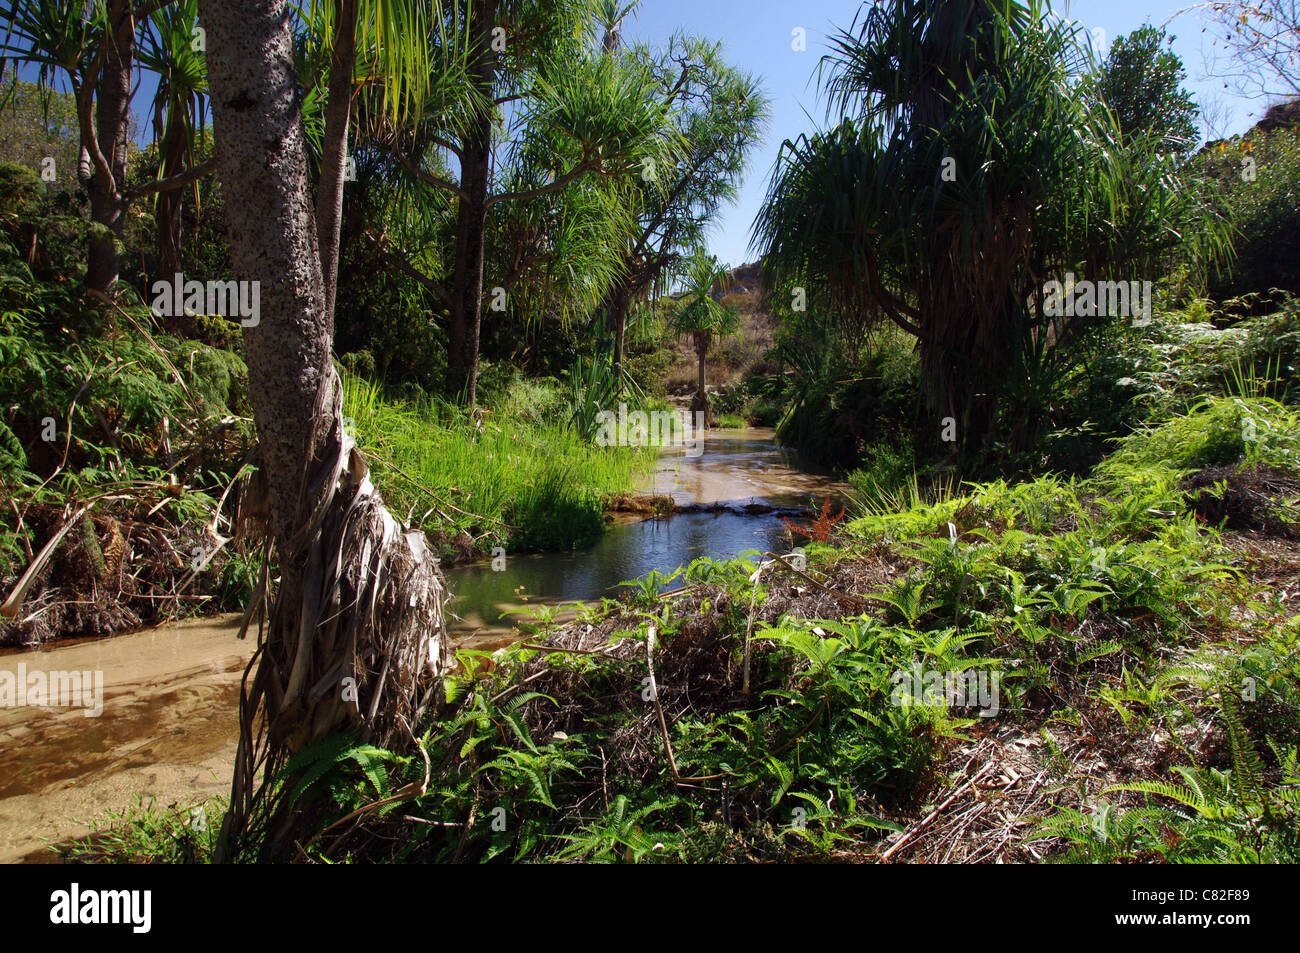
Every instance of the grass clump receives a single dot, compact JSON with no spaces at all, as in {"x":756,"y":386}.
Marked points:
{"x":515,"y":475}
{"x":148,"y":833}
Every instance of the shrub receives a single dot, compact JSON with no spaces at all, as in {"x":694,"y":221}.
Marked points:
{"x":1265,"y":210}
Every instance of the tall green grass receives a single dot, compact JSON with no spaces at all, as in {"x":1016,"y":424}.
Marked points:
{"x":519,"y":477}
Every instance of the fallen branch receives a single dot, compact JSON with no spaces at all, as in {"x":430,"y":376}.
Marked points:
{"x":9,"y":609}
{"x":929,"y":818}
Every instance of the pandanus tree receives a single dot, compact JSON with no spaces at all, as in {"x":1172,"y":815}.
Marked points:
{"x":556,"y":255}
{"x":718,"y":113}
{"x":550,"y":253}
{"x":376,"y":49}
{"x":530,"y":89}
{"x":610,"y":15}
{"x":702,"y":318}
{"x":94,"y":47}
{"x":968,"y":172}
{"x":172,"y":47}
{"x":355,"y":631}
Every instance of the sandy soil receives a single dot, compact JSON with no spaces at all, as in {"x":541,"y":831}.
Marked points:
{"x":168,"y":731}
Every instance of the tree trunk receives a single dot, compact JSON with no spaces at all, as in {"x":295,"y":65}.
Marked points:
{"x":355,"y":632}
{"x":700,"y":403}
{"x":334,"y":146}
{"x":167,"y":220}
{"x":168,"y":204}
{"x":965,"y":348}
{"x":467,"y":288}
{"x":113,"y":104}
{"x":618,"y":305}
{"x":471,"y":219}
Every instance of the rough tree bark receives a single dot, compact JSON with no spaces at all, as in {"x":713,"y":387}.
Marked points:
{"x":105,"y":142}
{"x":471,"y":217}
{"x":355,"y":635}
{"x":617,"y":305}
{"x":700,"y":402}
{"x":334,"y":146}
{"x":168,"y":204}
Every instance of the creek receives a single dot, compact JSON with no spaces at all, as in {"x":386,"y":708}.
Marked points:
{"x":168,"y":728}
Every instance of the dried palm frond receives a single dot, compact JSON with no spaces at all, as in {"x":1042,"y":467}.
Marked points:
{"x":353,"y":641}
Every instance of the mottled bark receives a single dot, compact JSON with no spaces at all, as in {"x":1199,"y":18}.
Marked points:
{"x":700,"y":402}
{"x":168,"y":203}
{"x":262,"y":162}
{"x":107,"y":136}
{"x":616,"y":317}
{"x":471,"y":217}
{"x":356,"y":628}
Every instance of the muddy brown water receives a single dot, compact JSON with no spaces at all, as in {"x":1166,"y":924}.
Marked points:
{"x":167,"y":732}
{"x":168,"y":728}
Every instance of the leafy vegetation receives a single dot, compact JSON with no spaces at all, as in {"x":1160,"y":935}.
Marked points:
{"x":1058,"y":619}
{"x":742,"y":713}
{"x":522,"y":476}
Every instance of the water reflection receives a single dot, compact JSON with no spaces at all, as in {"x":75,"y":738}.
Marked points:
{"x":737,"y":467}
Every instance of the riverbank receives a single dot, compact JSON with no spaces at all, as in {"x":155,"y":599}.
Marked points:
{"x":1096,"y":670}
{"x":514,"y":475}
{"x":1081,"y":670}
{"x":65,"y":772}
{"x":742,"y":492}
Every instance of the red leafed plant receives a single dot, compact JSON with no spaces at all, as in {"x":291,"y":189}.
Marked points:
{"x":820,"y":530}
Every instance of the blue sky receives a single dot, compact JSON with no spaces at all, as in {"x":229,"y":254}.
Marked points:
{"x":757,"y":36}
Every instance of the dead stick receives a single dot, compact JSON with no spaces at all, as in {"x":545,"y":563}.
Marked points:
{"x":663,"y":723}
{"x":912,"y":832}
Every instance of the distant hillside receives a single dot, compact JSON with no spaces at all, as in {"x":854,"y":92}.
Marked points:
{"x":747,"y":279}
{"x":1283,"y":115}
{"x":1256,"y":175}
{"x":741,"y":352}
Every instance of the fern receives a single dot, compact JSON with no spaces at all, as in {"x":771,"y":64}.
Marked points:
{"x":319,"y":760}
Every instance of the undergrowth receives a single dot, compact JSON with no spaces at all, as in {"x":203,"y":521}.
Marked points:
{"x":761,"y":709}
{"x":516,"y":475}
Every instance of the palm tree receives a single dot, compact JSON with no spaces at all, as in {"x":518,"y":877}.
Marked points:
{"x":702,"y":318}
{"x":574,"y":114}
{"x":356,"y":628}
{"x":169,"y":50}
{"x":610,"y":16}
{"x":389,"y":37}
{"x":719,"y":113}
{"x":969,"y":172}
{"x":94,"y":46}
